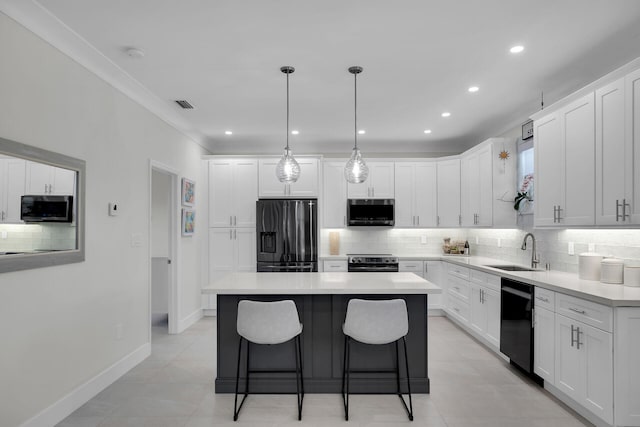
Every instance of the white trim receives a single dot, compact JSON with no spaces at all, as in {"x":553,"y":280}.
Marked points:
{"x":209,"y":312}
{"x":40,"y":21}
{"x":189,"y":320}
{"x":435,"y":312}
{"x":68,"y":404}
{"x":591,"y":87}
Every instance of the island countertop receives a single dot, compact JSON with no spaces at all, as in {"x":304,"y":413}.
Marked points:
{"x":321,"y":283}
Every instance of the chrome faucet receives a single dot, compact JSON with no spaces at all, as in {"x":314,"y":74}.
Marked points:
{"x":534,"y":256}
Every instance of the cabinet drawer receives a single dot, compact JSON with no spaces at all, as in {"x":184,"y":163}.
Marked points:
{"x":459,"y":288}
{"x":335,"y":265}
{"x":545,"y":298}
{"x":458,"y":271}
{"x":484,"y":279}
{"x":458,"y":309}
{"x":411,"y":266}
{"x":594,"y":314}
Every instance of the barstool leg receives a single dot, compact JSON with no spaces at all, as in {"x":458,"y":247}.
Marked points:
{"x":406,"y":361}
{"x":236,"y":409}
{"x":298,"y":376}
{"x":345,"y":376}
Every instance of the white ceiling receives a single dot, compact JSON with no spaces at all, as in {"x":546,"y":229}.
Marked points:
{"x":419,"y":58}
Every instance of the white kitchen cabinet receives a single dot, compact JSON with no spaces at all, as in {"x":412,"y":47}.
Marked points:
{"x":584,"y":365}
{"x":231,"y":250}
{"x":416,"y":194}
{"x":476,"y":189}
{"x":433,"y":272}
{"x":613,"y":173}
{"x":339,"y":265}
{"x":12,"y":186}
{"x":416,"y":267}
{"x":544,"y":343}
{"x":627,"y":371}
{"x":448,"y":172}
{"x":484,"y":304}
{"x":305,"y":187}
{"x":379,"y":183}
{"x":564,"y":159}
{"x":632,"y":125}
{"x":45,"y":179}
{"x":233,"y":191}
{"x":334,"y":210}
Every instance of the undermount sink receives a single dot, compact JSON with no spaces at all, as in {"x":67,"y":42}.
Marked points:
{"x":511,"y":267}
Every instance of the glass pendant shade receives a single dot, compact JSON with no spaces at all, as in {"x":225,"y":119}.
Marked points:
{"x":288,"y":169}
{"x":356,"y":170}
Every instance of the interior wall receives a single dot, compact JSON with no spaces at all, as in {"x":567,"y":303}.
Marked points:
{"x":160,"y":214}
{"x":58,"y":325}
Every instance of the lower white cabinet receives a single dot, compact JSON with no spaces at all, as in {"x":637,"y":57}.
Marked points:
{"x":416,"y":267}
{"x":584,"y":365}
{"x":544,"y":339}
{"x":433,"y":273}
{"x":230,"y":250}
{"x":627,"y":369}
{"x":335,"y":265}
{"x":485,"y":306}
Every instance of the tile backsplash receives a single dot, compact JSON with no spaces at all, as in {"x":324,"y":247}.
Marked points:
{"x":29,"y":237}
{"x":552,"y":245}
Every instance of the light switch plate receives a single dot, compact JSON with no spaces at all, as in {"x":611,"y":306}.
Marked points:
{"x":4,"y":234}
{"x":477,"y":240}
{"x":499,"y":242}
{"x":423,"y":240}
{"x":572,"y":249}
{"x":113,"y":209}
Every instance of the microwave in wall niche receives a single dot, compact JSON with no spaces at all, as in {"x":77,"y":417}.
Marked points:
{"x":46,"y":208}
{"x":371,"y":212}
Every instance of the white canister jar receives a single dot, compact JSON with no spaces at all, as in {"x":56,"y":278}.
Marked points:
{"x":632,"y":275}
{"x":612,"y":271}
{"x":589,"y":266}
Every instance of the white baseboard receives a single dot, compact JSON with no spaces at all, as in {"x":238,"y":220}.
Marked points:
{"x":435,"y":312}
{"x":210,"y":312}
{"x":82,"y":394}
{"x":189,"y":320}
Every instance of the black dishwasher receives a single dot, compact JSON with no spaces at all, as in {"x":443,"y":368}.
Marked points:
{"x":516,"y":323}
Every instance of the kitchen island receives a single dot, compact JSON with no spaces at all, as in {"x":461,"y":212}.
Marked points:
{"x":321,"y":299}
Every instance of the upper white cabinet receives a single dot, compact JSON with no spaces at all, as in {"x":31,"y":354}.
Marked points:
{"x":334,"y":195}
{"x":614,"y":154}
{"x":416,"y":194}
{"x":233,"y":191}
{"x":12,"y":185}
{"x":632,"y":112}
{"x":379,"y":183}
{"x":305,"y":187}
{"x":564,"y":158}
{"x":46,"y":179}
{"x":448,"y":193}
{"x":231,"y":250}
{"x":477,"y":187}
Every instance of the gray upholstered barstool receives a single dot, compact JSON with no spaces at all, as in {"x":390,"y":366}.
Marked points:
{"x":376,"y":322}
{"x":268,"y":323}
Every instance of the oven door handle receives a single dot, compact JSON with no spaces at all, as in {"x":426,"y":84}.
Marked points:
{"x":386,"y":268}
{"x":516,"y":292}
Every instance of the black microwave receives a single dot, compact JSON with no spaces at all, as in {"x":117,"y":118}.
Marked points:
{"x":46,"y":208}
{"x":371,"y":212}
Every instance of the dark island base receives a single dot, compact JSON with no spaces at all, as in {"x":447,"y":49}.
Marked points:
{"x":322,"y":345}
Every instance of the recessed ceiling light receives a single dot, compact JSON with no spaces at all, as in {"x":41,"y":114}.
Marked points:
{"x":473,"y":89}
{"x":228,"y":132}
{"x":427,"y":131}
{"x":446,"y":114}
{"x":134,"y":52}
{"x":516,"y":49}
{"x":294,"y":132}
{"x":362,"y":132}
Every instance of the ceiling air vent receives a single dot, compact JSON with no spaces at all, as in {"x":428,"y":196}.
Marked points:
{"x":184,"y":104}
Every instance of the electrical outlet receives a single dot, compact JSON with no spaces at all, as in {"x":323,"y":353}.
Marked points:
{"x":499,"y":242}
{"x":4,"y":234}
{"x":572,"y":249}
{"x":136,"y":240}
{"x":592,"y":247}
{"x":119,"y":330}
{"x":423,"y":240}
{"x":477,"y":240}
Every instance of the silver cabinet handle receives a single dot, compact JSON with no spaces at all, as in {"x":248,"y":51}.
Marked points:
{"x":618,"y":210}
{"x":543,"y":299}
{"x":3,"y":215}
{"x":234,"y":220}
{"x":230,"y":234}
{"x":235,"y":235}
{"x":559,"y":216}
{"x":456,"y":309}
{"x":457,"y":288}
{"x":573,"y":329}
{"x":230,"y":220}
{"x":418,"y":217}
{"x":578,"y":332}
{"x":438,"y":220}
{"x":555,"y":214}
{"x":373,"y":191}
{"x":625,"y":215}
{"x":344,"y":220}
{"x":459,"y":219}
{"x":575,"y":310}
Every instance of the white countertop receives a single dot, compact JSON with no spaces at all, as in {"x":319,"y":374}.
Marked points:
{"x":321,"y":283}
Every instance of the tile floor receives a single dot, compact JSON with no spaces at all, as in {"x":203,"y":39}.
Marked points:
{"x":470,"y":387}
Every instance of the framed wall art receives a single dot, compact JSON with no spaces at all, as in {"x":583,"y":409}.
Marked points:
{"x":188,"y":221}
{"x":188,"y":192}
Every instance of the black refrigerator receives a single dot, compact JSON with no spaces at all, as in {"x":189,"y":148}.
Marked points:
{"x":287,"y":234}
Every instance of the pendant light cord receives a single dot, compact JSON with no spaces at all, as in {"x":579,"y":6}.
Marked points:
{"x":355,"y":109}
{"x":287,"y":111}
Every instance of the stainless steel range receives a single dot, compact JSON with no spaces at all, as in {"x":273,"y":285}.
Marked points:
{"x":383,"y":263}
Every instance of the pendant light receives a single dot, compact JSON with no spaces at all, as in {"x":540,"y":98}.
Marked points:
{"x":288,"y":169}
{"x":356,"y":170}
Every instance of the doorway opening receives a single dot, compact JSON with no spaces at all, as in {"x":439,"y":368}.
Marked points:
{"x":163,"y":231}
